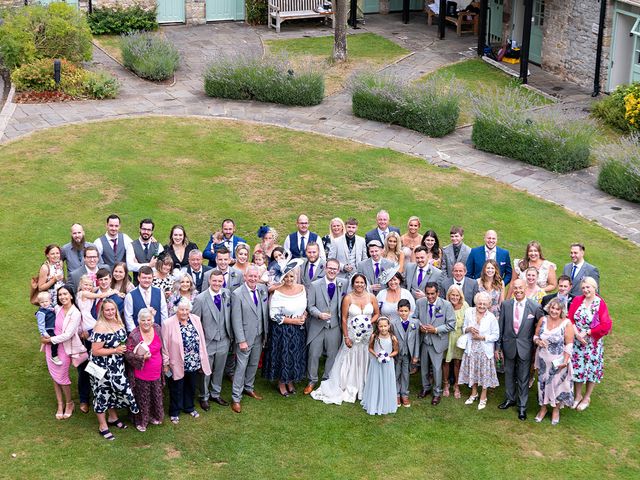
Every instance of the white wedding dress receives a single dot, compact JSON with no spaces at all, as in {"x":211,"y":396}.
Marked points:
{"x":349,"y":372}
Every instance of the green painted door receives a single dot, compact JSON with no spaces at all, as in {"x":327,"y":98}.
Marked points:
{"x":635,"y":64}
{"x":535,"y":45}
{"x":494,"y":33}
{"x":171,"y":11}
{"x":224,"y":10}
{"x":371,"y":6}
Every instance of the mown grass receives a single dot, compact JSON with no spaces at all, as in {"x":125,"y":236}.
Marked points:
{"x":366,"y":51}
{"x":110,"y":44}
{"x":197,"y":172}
{"x":479,"y":78}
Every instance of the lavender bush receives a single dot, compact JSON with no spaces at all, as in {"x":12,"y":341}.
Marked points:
{"x":620,"y":169}
{"x":431,"y":108}
{"x":149,"y":56}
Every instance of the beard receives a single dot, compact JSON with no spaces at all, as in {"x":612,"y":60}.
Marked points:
{"x":77,"y":245}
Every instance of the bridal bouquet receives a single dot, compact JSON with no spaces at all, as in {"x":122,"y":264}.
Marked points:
{"x":361,"y":328}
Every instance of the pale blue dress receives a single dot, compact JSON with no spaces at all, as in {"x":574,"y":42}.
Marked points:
{"x":380,"y":393}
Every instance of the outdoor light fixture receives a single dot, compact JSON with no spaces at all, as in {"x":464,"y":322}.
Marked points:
{"x":56,"y":71}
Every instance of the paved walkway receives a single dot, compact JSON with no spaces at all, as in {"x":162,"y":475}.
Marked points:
{"x":577,"y":191}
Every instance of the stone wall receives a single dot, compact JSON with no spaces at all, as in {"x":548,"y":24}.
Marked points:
{"x":569,"y":44}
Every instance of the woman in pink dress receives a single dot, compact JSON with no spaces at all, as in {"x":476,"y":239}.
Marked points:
{"x":66,"y":333}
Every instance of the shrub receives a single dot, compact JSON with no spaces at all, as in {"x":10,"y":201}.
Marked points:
{"x":431,"y":108}
{"x":256,"y":12}
{"x":620,"y":171}
{"x":612,"y":109}
{"x":55,"y":31}
{"x":632,"y":106}
{"x":118,"y":20}
{"x":269,"y":79}
{"x":504,"y":124}
{"x":74,"y":81}
{"x":149,"y":56}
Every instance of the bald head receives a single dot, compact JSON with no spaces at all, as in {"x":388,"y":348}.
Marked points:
{"x":491,"y":239}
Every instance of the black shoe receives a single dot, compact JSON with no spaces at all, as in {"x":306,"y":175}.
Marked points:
{"x":506,"y":404}
{"x":220,"y":401}
{"x":522,"y":413}
{"x":424,"y":392}
{"x":204,"y":404}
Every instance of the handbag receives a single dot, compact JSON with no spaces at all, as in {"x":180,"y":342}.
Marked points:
{"x":462,"y":341}
{"x":78,"y":359}
{"x":34,"y":291}
{"x":95,"y":370}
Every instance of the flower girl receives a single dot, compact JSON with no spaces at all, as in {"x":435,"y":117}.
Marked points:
{"x":380,"y":387}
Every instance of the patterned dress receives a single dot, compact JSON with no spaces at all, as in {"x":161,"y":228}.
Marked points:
{"x":555,"y":387}
{"x":191,"y":346}
{"x":543,"y":272}
{"x":496,"y":304}
{"x":112,"y":390}
{"x":54,"y":270}
{"x":588,"y":360}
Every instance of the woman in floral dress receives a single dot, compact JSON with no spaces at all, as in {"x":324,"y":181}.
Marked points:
{"x":491,"y":282}
{"x":112,"y":391}
{"x":590,"y":317}
{"x":554,"y":339}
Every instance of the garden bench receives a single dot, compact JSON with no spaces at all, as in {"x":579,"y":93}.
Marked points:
{"x":282,"y":10}
{"x":462,"y":19}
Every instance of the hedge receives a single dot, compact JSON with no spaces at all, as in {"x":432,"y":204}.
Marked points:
{"x":620,"y":171}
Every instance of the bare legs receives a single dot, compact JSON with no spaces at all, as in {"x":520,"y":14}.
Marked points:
{"x":63,"y":396}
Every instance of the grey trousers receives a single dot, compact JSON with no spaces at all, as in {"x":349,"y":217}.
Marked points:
{"x":516,"y":380}
{"x":246,"y":368}
{"x":212,"y":384}
{"x":403,"y":364}
{"x":430,"y":358}
{"x":329,"y":340}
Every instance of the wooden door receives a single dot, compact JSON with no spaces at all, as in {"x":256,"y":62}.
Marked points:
{"x":535,"y":45}
{"x":171,"y":11}
{"x":224,"y":10}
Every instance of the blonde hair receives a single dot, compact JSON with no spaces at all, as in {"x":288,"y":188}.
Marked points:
{"x":589,"y":281}
{"x":84,"y":279}
{"x":398,"y":249}
{"x":101,"y":318}
{"x":339,"y":220}
{"x":414,"y":218}
{"x":459,"y":291}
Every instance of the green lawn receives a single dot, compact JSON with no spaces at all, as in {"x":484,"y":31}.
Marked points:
{"x":197,"y":172}
{"x":479,"y":78}
{"x":365,"y":51}
{"x":110,"y":44}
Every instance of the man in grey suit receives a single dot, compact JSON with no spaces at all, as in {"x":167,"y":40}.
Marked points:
{"x":578,"y":269}
{"x":456,"y":251}
{"x":349,"y":250}
{"x":407,"y":331}
{"x":249,"y":318}
{"x":372,"y":267}
{"x":313,"y":267}
{"x":468,"y":285}
{"x":418,"y":274}
{"x":383,"y":229}
{"x":90,"y":267}
{"x":324,"y":332}
{"x":437,"y":319}
{"x":518,"y":319}
{"x":213,"y":306}
{"x":233,"y":278}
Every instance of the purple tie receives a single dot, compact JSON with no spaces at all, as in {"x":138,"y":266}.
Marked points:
{"x":431,"y":311}
{"x":255,"y":298}
{"x":377,"y":270}
{"x":420,"y":277}
{"x":224,"y":280}
{"x":216,"y":300}
{"x":115,"y":244}
{"x":405,"y":324}
{"x":331,"y":290}
{"x":311,"y":271}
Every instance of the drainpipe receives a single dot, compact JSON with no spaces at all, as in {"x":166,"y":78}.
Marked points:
{"x":482,"y":30}
{"x":596,"y":74}
{"x":441,"y":19}
{"x":526,"y":40}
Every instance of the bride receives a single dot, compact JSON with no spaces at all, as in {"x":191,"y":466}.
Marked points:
{"x":346,"y":379}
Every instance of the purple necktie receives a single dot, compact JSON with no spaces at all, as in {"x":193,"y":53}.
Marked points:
{"x":255,"y":298}
{"x":405,"y":324}
{"x":311,"y":272}
{"x":224,"y":280}
{"x":216,"y":300}
{"x":420,"y":277}
{"x":331,"y":290}
{"x":377,"y":270}
{"x":431,"y":311}
{"x":115,"y":244}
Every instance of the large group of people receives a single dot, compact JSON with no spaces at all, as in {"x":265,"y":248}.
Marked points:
{"x":134,"y":315}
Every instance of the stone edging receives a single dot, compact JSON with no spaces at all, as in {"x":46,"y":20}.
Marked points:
{"x":7,"y":110}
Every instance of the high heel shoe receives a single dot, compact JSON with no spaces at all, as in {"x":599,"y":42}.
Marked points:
{"x":445,"y":390}
{"x":583,"y":405}
{"x":60,"y":412}
{"x":284,"y":393}
{"x":471,"y":399}
{"x":539,"y":417}
{"x":68,"y":411}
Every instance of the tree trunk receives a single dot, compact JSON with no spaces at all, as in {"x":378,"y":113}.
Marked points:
{"x":340,"y":30}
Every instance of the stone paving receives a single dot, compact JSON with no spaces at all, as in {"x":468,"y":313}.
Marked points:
{"x":576,"y":191}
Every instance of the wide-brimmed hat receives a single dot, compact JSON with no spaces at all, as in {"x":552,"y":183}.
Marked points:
{"x":291,"y":265}
{"x":387,"y":274}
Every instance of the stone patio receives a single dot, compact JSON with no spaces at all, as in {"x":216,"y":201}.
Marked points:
{"x":576,"y":192}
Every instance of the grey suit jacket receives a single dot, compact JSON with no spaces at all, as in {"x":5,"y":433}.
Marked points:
{"x":318,"y":302}
{"x":246,"y":317}
{"x":367,"y":269}
{"x":374,"y":235}
{"x":444,"y":319}
{"x":235,"y":275}
{"x":433,"y":274}
{"x":205,"y":308}
{"x":318,"y":272}
{"x":74,"y":277}
{"x":409,"y":341}
{"x":469,"y":288}
{"x":520,"y":345}
{"x":450,"y":259}
{"x":340,"y":251}
{"x":587,"y":270}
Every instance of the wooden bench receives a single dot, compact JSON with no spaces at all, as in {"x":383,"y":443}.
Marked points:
{"x":463,"y":19}
{"x":282,"y":10}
